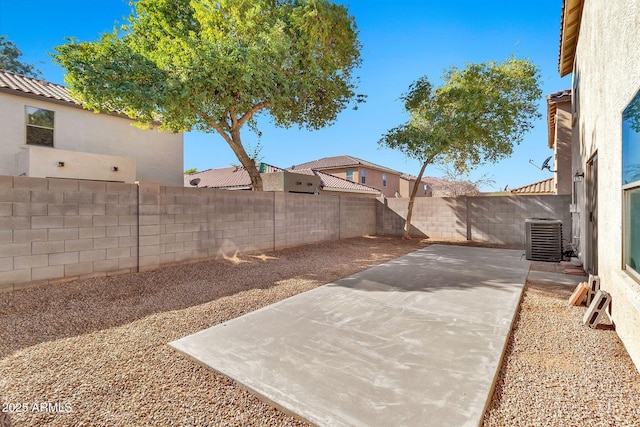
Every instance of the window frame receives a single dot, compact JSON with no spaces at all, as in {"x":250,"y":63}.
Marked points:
{"x":28,"y":125}
{"x":384,"y":179}
{"x":349,"y":174}
{"x":363,"y":176}
{"x":628,"y":188}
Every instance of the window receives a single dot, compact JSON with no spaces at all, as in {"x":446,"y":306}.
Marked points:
{"x":350,"y":174}
{"x":384,"y":180}
{"x":631,"y":185}
{"x":363,"y":176}
{"x":39,"y":126}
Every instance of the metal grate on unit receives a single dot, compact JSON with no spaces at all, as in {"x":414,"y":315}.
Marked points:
{"x":543,"y":239}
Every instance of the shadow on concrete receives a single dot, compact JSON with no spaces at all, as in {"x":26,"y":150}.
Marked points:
{"x":425,"y":272}
{"x":413,"y":340}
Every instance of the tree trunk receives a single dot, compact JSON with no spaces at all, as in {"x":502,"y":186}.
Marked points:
{"x":248,"y":163}
{"x":407,"y":225}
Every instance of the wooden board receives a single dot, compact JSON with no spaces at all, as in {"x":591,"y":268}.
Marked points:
{"x":578,"y":294}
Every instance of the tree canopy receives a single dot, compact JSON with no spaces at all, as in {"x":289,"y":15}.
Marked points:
{"x":10,"y":59}
{"x":477,"y":115}
{"x":212,"y":65}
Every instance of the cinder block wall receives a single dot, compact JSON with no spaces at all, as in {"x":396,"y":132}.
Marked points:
{"x":356,"y":216}
{"x":491,"y":219}
{"x":59,"y":229}
{"x":433,"y":217}
{"x":501,"y":219}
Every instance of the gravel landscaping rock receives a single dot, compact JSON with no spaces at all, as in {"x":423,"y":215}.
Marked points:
{"x":559,"y":372}
{"x":94,"y":352}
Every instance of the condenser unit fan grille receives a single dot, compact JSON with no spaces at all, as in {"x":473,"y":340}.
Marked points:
{"x":543,"y":239}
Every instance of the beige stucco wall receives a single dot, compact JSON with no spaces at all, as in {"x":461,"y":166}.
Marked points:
{"x":45,"y":162}
{"x":158,"y":155}
{"x":562,"y":149}
{"x":607,"y":71}
{"x":290,"y":182}
{"x":406,"y":187}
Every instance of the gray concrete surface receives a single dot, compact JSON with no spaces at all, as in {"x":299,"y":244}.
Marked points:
{"x":556,"y":278}
{"x":412,"y":342}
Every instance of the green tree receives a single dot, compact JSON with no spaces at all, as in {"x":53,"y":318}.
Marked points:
{"x":477,"y":115}
{"x":10,"y":59}
{"x":190,"y":171}
{"x":213,"y":65}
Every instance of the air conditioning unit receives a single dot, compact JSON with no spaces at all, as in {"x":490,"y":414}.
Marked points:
{"x":543,"y":239}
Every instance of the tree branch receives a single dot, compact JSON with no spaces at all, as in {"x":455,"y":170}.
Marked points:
{"x":259,"y":106}
{"x":207,"y":118}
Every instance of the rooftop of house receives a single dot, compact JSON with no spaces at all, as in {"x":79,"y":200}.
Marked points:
{"x":409,"y":177}
{"x":17,"y":84}
{"x":553,"y":99}
{"x":237,"y":178}
{"x":232,"y":177}
{"x":546,"y":186}
{"x":340,"y":162}
{"x":571,"y":16}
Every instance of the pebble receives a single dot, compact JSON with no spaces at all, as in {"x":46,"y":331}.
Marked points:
{"x":559,"y":372}
{"x":100,"y":345}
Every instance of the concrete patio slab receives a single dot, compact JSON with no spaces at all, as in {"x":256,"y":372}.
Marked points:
{"x":415,"y":341}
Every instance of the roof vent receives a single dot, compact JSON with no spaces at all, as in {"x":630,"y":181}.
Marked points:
{"x":543,"y":239}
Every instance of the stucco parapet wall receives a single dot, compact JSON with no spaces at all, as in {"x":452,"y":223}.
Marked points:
{"x":48,"y":162}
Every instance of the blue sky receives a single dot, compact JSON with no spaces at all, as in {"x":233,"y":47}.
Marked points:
{"x":402,"y":40}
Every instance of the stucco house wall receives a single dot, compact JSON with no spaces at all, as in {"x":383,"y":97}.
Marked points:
{"x":562,"y":149}
{"x":406,"y":187}
{"x":606,"y":77}
{"x":158,"y":155}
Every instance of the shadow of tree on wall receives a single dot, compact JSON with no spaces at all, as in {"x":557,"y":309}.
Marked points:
{"x":498,"y":220}
{"x":501,"y":219}
{"x":390,"y":222}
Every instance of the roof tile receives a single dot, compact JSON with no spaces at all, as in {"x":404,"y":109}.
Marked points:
{"x":541,"y":187}
{"x":238,"y":178}
{"x":31,"y":86}
{"x":230,"y":177}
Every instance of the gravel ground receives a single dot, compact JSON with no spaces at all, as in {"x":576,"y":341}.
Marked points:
{"x":558,"y":372}
{"x":95,"y":352}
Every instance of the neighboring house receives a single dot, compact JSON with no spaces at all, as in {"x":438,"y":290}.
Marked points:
{"x":407,"y":183}
{"x":276,"y":179}
{"x":46,"y":134}
{"x":546,"y":186}
{"x":559,"y":123}
{"x":598,"y":46}
{"x":559,"y":118}
{"x":357,"y":170}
